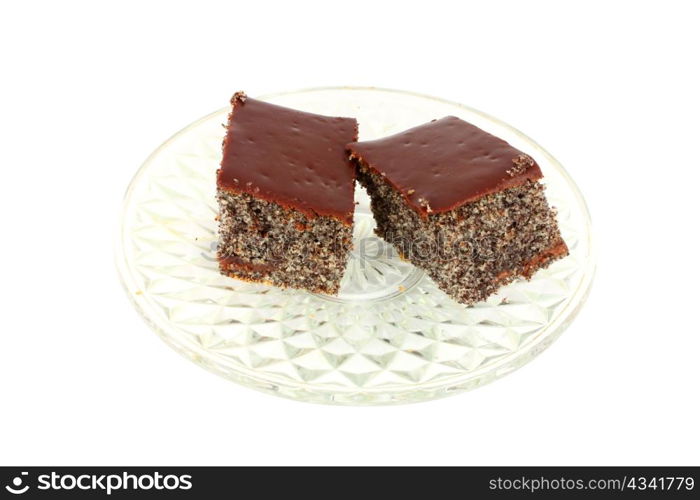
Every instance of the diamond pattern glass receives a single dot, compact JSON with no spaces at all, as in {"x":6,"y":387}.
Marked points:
{"x":390,"y":336}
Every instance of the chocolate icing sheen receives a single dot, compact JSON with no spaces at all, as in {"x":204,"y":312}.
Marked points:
{"x":290,"y":157}
{"x":440,"y":165}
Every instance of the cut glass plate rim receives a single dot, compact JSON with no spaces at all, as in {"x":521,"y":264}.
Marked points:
{"x":425,"y":391}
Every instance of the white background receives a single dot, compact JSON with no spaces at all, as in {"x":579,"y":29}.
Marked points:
{"x":89,"y":89}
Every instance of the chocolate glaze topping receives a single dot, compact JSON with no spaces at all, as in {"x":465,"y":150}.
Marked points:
{"x":445,"y":163}
{"x":290,"y":157}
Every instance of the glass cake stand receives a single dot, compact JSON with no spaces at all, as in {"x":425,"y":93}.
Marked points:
{"x":390,"y":336}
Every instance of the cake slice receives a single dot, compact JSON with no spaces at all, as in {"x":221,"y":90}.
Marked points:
{"x":285,"y":192}
{"x":460,"y":203}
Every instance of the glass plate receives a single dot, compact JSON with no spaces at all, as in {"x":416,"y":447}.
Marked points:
{"x":390,"y":336}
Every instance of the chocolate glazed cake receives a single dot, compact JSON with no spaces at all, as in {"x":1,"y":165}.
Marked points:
{"x":461,"y":204}
{"x":285,"y":193}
